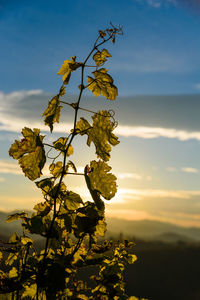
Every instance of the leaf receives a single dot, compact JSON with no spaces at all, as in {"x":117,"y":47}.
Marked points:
{"x":81,"y":296}
{"x":56,"y":168}
{"x":52,"y":112}
{"x":16,"y":216}
{"x":1,"y":255}
{"x":13,"y":272}
{"x":82,"y":126}
{"x":72,"y":200}
{"x":101,"y":180}
{"x":45,"y":185}
{"x":101,"y":228}
{"x":100,"y":133}
{"x":68,"y":67}
{"x":26,"y":240}
{"x":100,"y":57}
{"x":42,"y":208}
{"x":30,"y":153}
{"x":102,"y":83}
{"x":14,"y":238}
{"x":131,"y":258}
{"x":30,"y":292}
{"x":11,"y":258}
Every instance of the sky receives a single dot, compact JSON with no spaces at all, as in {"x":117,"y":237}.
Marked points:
{"x":156,"y":67}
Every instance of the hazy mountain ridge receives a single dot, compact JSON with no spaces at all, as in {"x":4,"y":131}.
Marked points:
{"x":145,"y":229}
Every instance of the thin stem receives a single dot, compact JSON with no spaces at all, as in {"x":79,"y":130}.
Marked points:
{"x":71,"y":173}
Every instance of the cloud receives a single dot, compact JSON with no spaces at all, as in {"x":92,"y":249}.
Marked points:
{"x":7,"y":167}
{"x":184,"y":169}
{"x":2,"y":179}
{"x":154,"y":3}
{"x":190,"y":170}
{"x":158,"y":3}
{"x":156,"y":132}
{"x":137,"y":115}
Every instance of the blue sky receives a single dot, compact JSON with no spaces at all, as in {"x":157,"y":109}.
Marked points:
{"x":158,"y":54}
{"x":156,"y":66}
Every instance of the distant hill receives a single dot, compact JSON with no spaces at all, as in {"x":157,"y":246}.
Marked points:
{"x":149,"y":229}
{"x":143,"y":229}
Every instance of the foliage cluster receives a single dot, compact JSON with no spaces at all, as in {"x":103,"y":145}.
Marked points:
{"x":69,"y":226}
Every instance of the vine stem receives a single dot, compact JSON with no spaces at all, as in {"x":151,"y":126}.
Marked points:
{"x":95,"y":47}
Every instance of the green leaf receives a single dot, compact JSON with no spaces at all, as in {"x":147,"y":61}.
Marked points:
{"x":68,"y":67}
{"x":102,"y":83}
{"x":30,"y":153}
{"x":72,"y":200}
{"x":101,"y":180}
{"x":100,"y":57}
{"x":16,"y":216}
{"x":52,"y":113}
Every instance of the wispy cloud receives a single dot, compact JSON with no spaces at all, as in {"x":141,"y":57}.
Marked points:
{"x":8,"y":167}
{"x":190,"y":170}
{"x":156,"y":132}
{"x":158,"y":3}
{"x":184,"y":169}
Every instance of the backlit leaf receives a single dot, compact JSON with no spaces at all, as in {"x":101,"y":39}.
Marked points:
{"x":101,"y":228}
{"x":30,"y":153}
{"x":102,"y":83}
{"x":16,"y":216}
{"x":45,"y":185}
{"x":82,"y":126}
{"x":68,"y":67}
{"x":100,"y":133}
{"x":52,"y":112}
{"x":30,"y":292}
{"x":56,"y":168}
{"x":72,"y":200}
{"x":13,"y":272}
{"x":14,"y":238}
{"x":42,"y":208}
{"x":101,"y":180}
{"x":100,"y":57}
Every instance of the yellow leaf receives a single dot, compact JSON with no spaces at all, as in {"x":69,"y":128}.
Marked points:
{"x":100,"y":57}
{"x":68,"y":67}
{"x":102,"y":84}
